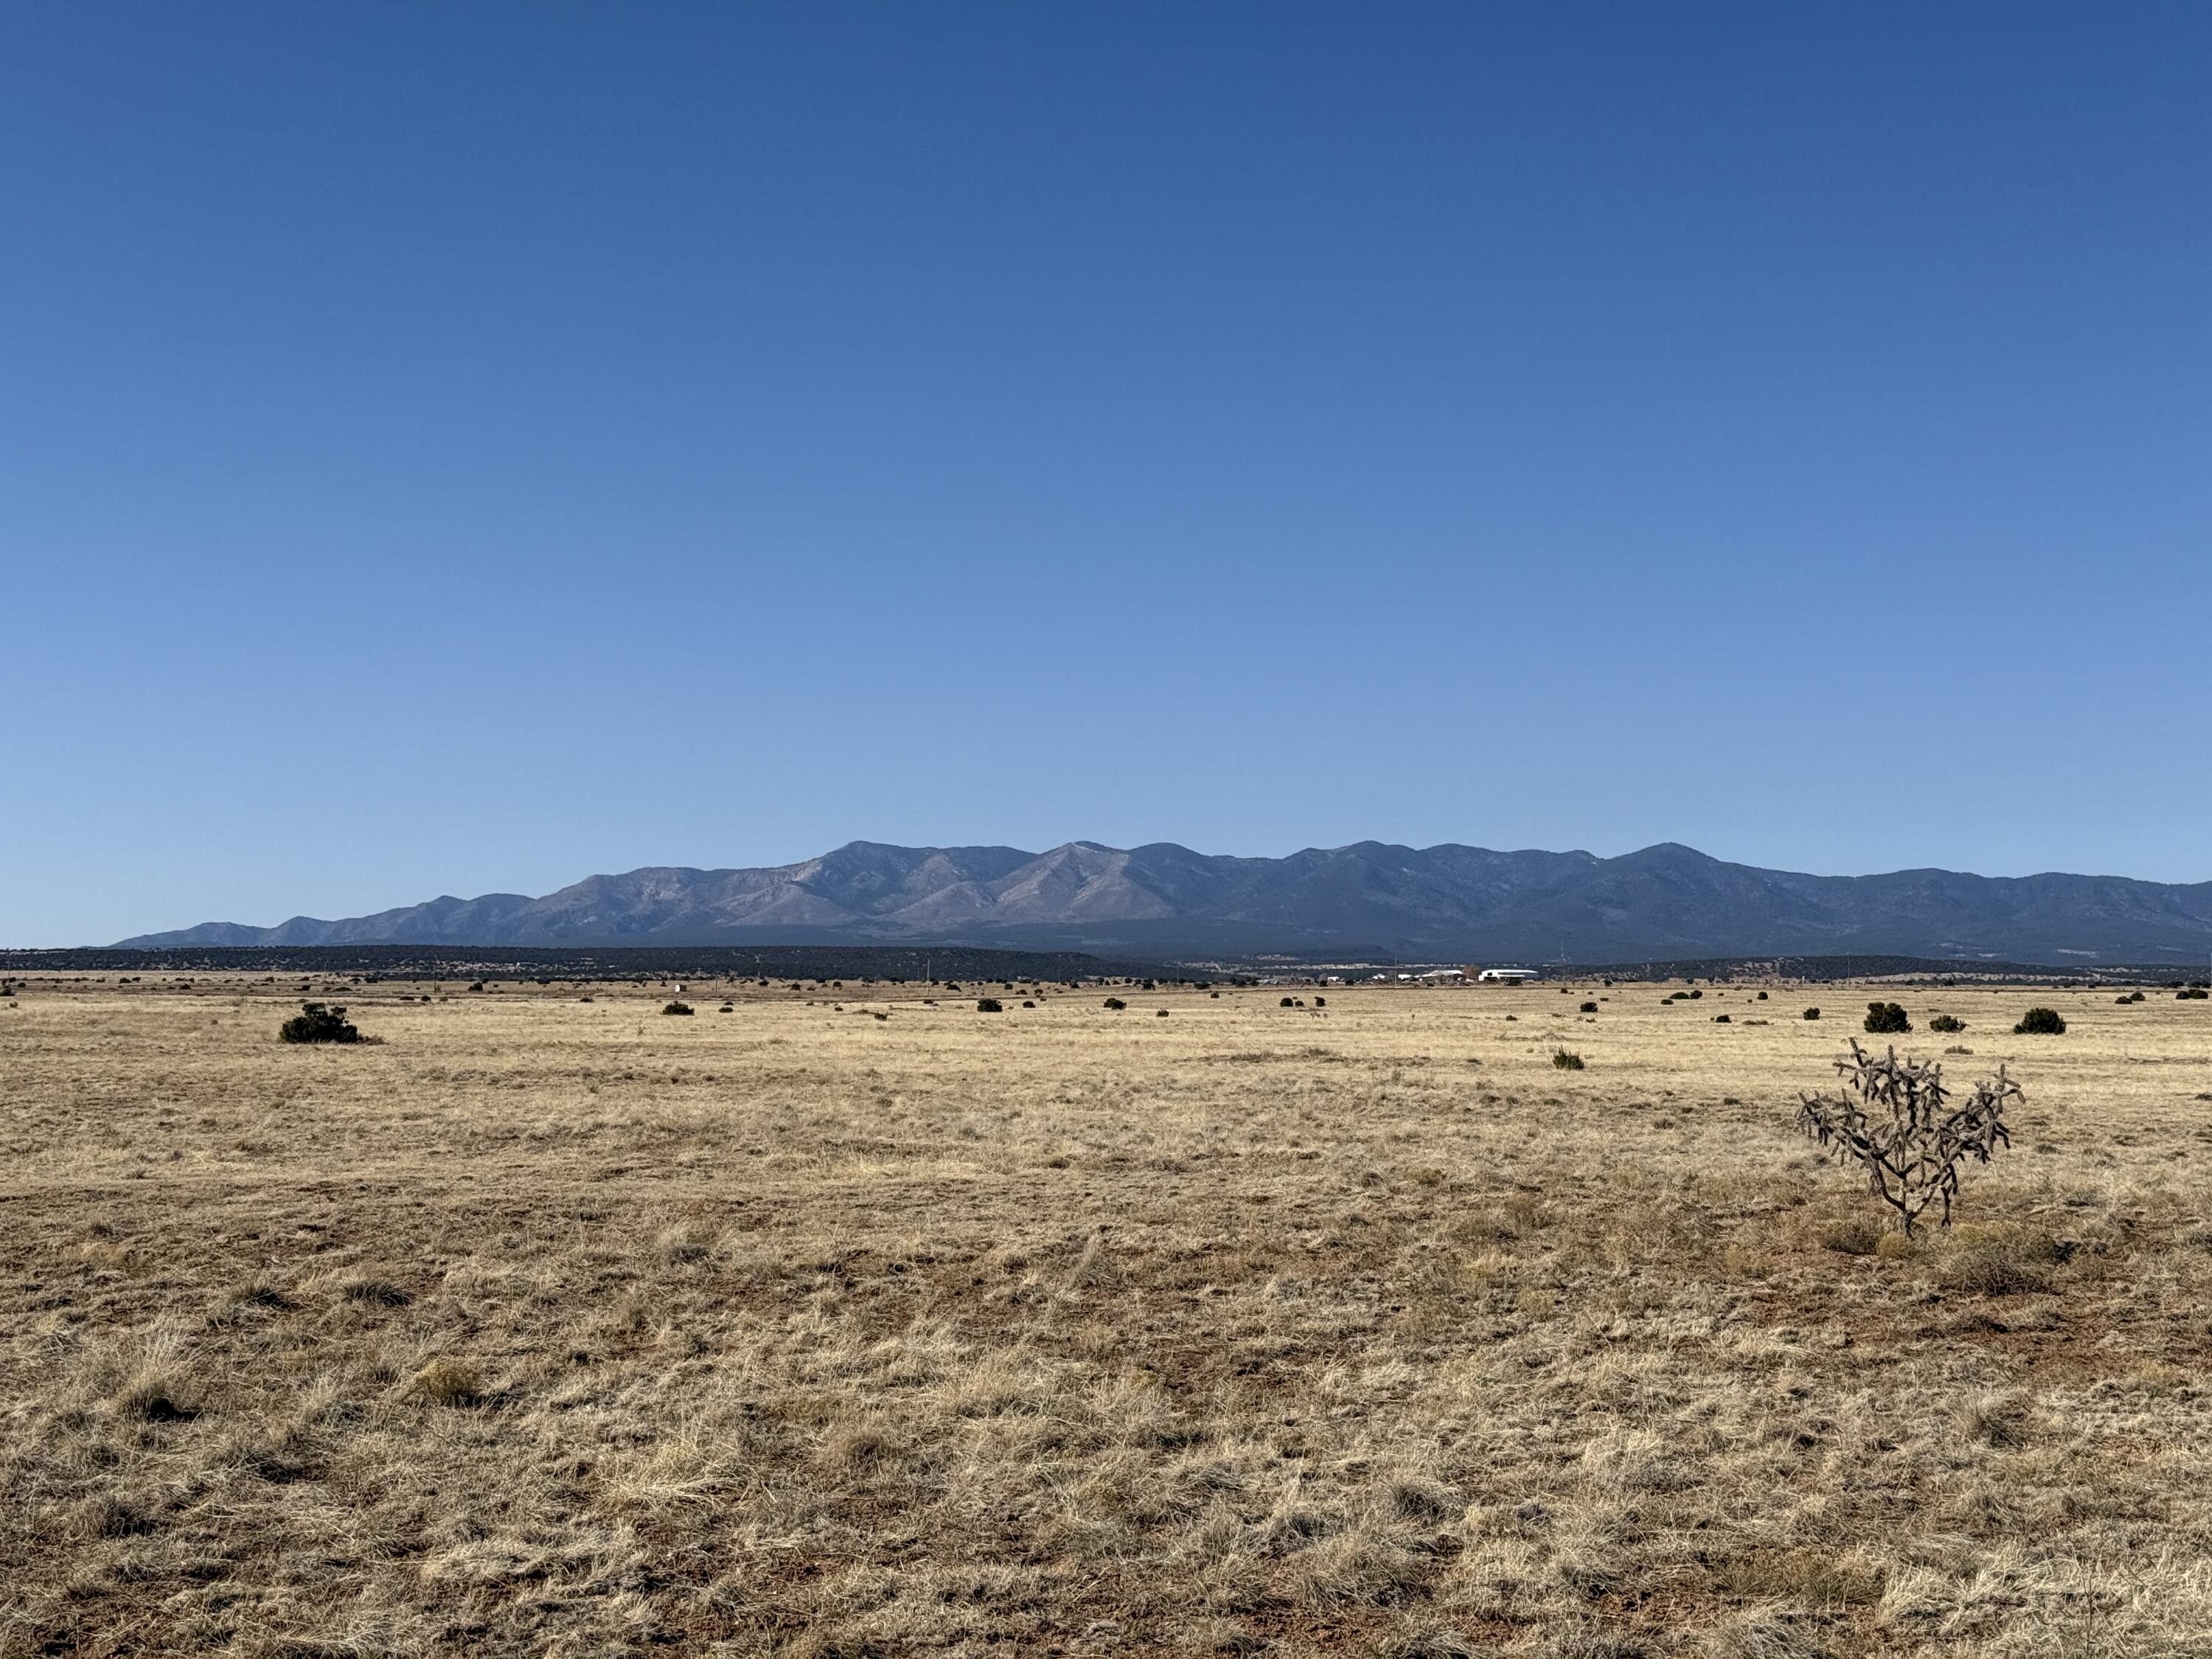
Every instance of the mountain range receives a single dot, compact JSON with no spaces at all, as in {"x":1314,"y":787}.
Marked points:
{"x":1367,"y":900}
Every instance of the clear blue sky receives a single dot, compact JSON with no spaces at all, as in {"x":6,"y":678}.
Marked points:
{"x":449,"y":448}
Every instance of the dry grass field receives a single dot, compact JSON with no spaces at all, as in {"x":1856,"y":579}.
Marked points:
{"x":555,"y":1328}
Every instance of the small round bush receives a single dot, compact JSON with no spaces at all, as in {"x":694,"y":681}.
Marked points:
{"x":2040,"y":1022}
{"x":1886,"y":1018}
{"x":1588,"y":1008}
{"x":1566,"y":1059}
{"x":1163,"y":1014}
{"x":2191,"y":993}
{"x":1286,"y":1003}
{"x":1321,"y":1002}
{"x":1116,"y":1003}
{"x":316,"y":1023}
{"x":989,"y":1006}
{"x":1721,"y":1019}
{"x":677,"y":1008}
{"x":1947,"y":1023}
{"x":1811,"y":1014}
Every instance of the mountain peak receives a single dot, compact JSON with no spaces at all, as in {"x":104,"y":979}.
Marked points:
{"x":1670,"y":852}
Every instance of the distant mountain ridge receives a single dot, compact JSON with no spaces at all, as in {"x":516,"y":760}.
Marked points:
{"x":1438,"y":902}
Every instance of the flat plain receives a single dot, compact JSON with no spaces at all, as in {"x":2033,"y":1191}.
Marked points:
{"x":553,"y":1326}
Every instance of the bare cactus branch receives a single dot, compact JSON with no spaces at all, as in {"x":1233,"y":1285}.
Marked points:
{"x":1893,"y":1118}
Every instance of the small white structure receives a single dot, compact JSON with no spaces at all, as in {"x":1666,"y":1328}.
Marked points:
{"x":1445,"y":975}
{"x":1505,"y":976}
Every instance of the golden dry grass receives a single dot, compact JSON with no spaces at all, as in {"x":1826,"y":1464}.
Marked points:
{"x":568,"y":1329}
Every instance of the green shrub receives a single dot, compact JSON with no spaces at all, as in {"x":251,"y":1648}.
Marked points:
{"x":1286,"y":1002}
{"x":989,"y":1006}
{"x":2040,"y":1022}
{"x":1947,"y":1023}
{"x":1811,"y":1014}
{"x":1721,"y":1020}
{"x":2132,"y":996}
{"x":677,"y":1008}
{"x":1116,"y":1003}
{"x":1321,"y":1002}
{"x":2191,"y":993}
{"x":1885,"y":1018}
{"x":1566,"y":1059}
{"x":1589,"y":1007}
{"x":316,"y":1023}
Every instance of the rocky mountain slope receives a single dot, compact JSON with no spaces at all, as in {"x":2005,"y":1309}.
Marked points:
{"x":1439,"y":902}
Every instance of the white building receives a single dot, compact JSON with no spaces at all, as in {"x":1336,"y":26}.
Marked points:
{"x":1505,"y":976}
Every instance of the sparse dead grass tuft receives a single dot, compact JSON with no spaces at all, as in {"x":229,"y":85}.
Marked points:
{"x":1815,"y":1577}
{"x":1997,"y":1418}
{"x":2005,"y":1260}
{"x":372,"y":1292}
{"x":684,"y":1242}
{"x":448,"y":1382}
{"x":1857,"y":1235}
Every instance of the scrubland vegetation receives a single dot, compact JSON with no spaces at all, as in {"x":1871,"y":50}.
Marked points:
{"x":552,"y":1326}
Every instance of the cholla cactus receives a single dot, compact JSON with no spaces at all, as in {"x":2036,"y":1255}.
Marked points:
{"x":1894,"y":1118}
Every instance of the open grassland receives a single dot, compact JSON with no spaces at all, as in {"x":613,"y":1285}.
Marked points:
{"x":548,"y":1326}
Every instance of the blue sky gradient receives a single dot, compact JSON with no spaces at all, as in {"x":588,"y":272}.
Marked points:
{"x":453,"y":448}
